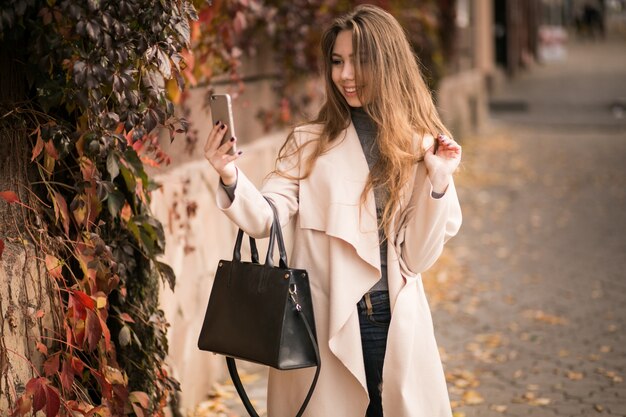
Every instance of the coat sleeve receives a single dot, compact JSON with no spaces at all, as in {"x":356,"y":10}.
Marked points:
{"x":427,"y":223}
{"x":248,"y":208}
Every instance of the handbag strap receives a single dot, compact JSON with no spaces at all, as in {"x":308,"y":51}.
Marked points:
{"x":232,"y":370}
{"x":276,"y":232}
{"x":254,"y":253}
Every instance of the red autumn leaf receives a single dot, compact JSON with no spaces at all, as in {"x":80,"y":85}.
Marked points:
{"x":36,"y":389}
{"x":77,"y":308}
{"x":86,"y":300}
{"x":68,"y":333}
{"x":88,"y":168}
{"x":60,"y":208}
{"x":67,"y":375}
{"x":42,"y":348}
{"x":149,"y":162}
{"x":127,"y":318}
{"x":10,"y":197}
{"x":77,"y":365}
{"x":54,"y":267}
{"x":23,"y":406}
{"x":137,"y":146}
{"x":93,"y":330}
{"x":51,"y":365}
{"x":106,"y":387}
{"x":53,"y":402}
{"x":38,"y":147}
{"x":51,"y":150}
{"x":79,"y":331}
{"x":1,"y":247}
{"x":106,"y":333}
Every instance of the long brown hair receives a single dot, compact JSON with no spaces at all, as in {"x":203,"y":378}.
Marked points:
{"x":395,"y":97}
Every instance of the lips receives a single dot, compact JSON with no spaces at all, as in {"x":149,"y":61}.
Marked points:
{"x":349,"y":90}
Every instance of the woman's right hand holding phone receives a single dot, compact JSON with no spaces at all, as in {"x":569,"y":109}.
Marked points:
{"x":218,"y":156}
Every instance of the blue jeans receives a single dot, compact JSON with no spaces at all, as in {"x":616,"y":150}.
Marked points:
{"x":374,"y":318}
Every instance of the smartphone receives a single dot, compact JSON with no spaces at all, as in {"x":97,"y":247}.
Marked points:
{"x":222,"y":110}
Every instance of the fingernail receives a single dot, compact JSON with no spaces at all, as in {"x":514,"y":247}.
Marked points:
{"x":217,"y":123}
{"x":232,"y":139}
{"x":239,"y":152}
{"x":223,"y":126}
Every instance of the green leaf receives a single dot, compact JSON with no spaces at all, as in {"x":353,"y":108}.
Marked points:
{"x":115,"y":202}
{"x":129,"y":179}
{"x":133,"y":229}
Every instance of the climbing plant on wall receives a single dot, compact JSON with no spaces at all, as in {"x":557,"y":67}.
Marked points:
{"x":88,"y":102}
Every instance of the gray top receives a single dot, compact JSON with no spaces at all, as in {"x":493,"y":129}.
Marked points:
{"x":367,"y":131}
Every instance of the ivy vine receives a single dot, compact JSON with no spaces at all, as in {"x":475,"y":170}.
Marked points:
{"x":93,"y":107}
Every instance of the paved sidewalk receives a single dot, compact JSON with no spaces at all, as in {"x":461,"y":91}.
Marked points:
{"x":529,"y":301}
{"x":538,"y":324}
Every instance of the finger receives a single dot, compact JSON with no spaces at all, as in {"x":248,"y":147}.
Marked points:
{"x":211,"y":137}
{"x":226,"y":146}
{"x":216,"y":135}
{"x":229,"y":158}
{"x":449,"y":144}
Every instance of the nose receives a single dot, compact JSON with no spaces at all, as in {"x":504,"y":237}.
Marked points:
{"x":347,"y":72}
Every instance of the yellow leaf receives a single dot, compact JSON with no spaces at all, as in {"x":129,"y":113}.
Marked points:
{"x":575,"y":376}
{"x":499,"y":408}
{"x":114,"y":376}
{"x":48,"y":164}
{"x":101,"y":302}
{"x":173,"y":91}
{"x":472,"y":397}
{"x":541,"y":401}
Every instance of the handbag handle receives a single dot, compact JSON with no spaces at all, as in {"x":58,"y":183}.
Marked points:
{"x":276,"y":232}
{"x":254,"y":253}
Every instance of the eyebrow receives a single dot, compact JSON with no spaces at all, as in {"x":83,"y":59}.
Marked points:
{"x":339,"y":55}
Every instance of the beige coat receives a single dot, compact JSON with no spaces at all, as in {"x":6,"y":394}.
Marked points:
{"x":336,"y":241}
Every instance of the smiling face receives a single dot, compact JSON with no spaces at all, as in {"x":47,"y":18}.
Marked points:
{"x":343,"y":71}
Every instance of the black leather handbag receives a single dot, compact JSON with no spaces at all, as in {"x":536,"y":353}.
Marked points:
{"x":261,"y":313}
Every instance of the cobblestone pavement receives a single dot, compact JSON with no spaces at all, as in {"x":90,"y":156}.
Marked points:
{"x":537,"y":324}
{"x":531,"y":316}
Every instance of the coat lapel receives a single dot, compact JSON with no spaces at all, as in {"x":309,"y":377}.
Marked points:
{"x":330,"y":198}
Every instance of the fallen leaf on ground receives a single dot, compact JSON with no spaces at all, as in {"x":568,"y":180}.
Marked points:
{"x":472,"y":397}
{"x":541,"y":316}
{"x":575,"y":376}
{"x":499,"y":408}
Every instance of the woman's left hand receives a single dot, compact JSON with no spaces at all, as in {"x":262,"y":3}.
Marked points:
{"x":442,"y":164}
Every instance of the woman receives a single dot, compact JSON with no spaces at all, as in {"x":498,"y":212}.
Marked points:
{"x":373,"y":201}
